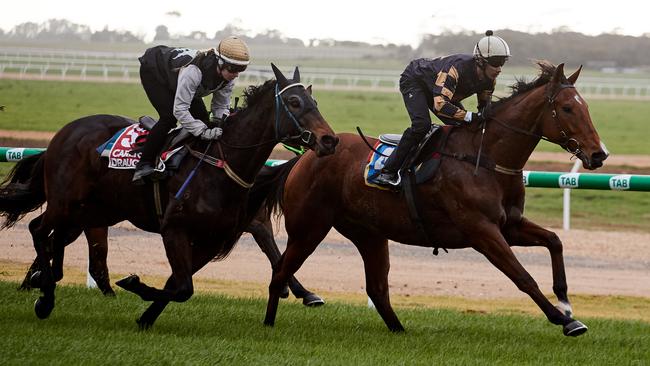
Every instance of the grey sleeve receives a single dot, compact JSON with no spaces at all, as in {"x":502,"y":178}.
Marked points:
{"x":221,"y":100}
{"x":189,"y":79}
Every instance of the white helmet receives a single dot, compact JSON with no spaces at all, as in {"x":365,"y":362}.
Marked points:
{"x":492,"y":49}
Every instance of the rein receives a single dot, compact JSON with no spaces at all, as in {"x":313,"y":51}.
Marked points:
{"x":564,"y":144}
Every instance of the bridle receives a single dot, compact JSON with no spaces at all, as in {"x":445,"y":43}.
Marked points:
{"x":304,"y":136}
{"x":566,"y":140}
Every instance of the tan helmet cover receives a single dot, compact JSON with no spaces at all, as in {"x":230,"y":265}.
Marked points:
{"x":233,"y":51}
{"x":491,"y":46}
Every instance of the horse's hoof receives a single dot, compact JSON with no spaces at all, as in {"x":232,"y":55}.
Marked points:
{"x":36,"y":279}
{"x":43,"y":307}
{"x":109,"y":293}
{"x":574,"y":329}
{"x":312,"y":300}
{"x":129,"y":283}
{"x":285,"y":292}
{"x":143,"y":324}
{"x":25,"y":286}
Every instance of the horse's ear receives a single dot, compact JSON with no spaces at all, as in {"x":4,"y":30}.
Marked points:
{"x":309,"y":89}
{"x":278,"y":75}
{"x":559,"y":74}
{"x":296,"y":75}
{"x":572,"y":79}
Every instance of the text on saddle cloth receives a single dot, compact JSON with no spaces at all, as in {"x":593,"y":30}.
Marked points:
{"x":122,"y":150}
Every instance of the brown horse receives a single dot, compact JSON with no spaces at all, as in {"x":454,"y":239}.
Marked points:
{"x":459,"y":208}
{"x":206,"y":209}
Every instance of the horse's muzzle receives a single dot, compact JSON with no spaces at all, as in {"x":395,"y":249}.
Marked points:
{"x":594,"y":161}
{"x":326,"y":145}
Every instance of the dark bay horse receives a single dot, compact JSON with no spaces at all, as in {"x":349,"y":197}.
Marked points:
{"x":260,"y":228}
{"x":200,"y":222}
{"x":459,"y":208}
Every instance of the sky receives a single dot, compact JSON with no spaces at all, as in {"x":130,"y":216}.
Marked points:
{"x":399,"y":22}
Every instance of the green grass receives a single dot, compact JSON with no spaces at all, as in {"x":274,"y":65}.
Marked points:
{"x":603,"y":210}
{"x":87,"y":328}
{"x":47,"y":106}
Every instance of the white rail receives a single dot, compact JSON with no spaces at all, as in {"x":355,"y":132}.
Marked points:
{"x":27,"y":63}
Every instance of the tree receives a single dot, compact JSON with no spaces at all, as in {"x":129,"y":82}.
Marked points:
{"x":162,"y":33}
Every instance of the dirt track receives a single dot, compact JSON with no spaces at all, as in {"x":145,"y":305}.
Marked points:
{"x":602,"y":263}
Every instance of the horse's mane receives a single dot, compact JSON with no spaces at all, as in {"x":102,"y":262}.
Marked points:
{"x":254,"y":93}
{"x":521,"y":86}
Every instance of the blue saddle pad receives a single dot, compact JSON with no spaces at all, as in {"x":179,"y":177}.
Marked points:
{"x":376,"y":161}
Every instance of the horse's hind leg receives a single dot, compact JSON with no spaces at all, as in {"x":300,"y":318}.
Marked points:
{"x":97,"y":253}
{"x":262,"y":231}
{"x":529,"y":234}
{"x":494,"y":247}
{"x":43,"y":278}
{"x":376,"y":262}
{"x":26,"y":284}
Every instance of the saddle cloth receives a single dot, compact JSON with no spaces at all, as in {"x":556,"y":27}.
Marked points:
{"x":123,"y":149}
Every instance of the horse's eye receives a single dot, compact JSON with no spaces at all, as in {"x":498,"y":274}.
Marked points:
{"x":566,"y":109}
{"x":295,"y":102}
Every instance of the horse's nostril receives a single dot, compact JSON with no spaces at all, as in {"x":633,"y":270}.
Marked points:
{"x":599,"y":156}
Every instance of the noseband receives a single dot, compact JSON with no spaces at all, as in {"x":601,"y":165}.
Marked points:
{"x":305,"y":136}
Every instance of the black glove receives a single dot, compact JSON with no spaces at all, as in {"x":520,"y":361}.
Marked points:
{"x":477,"y":118}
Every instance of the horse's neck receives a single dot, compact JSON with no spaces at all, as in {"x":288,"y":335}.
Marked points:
{"x":254,"y":133}
{"x":507,"y":147}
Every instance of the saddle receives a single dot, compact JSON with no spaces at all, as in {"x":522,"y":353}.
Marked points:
{"x":124,"y":148}
{"x":423,"y":160}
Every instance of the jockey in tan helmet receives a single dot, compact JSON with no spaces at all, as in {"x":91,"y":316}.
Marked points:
{"x":176,"y":80}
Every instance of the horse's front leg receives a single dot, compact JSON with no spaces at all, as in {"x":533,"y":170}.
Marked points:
{"x":262,"y":231}
{"x":201,"y":255}
{"x":489,"y":241}
{"x":179,"y":254}
{"x":528,"y":234}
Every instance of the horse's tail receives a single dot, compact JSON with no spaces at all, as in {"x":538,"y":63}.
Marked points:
{"x":23,"y":190}
{"x":268,"y":189}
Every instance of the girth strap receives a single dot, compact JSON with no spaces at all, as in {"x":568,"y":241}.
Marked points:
{"x":409,"y":185}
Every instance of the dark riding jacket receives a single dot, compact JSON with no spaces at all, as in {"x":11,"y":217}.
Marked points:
{"x":446,"y":81}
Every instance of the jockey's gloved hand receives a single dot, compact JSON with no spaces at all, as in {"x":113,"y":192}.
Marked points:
{"x":477,"y":118}
{"x":211,"y":133}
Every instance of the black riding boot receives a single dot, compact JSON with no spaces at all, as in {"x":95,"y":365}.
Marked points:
{"x":146,"y":165}
{"x":395,"y":161}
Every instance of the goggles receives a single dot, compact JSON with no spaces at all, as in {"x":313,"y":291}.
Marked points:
{"x":233,"y":69}
{"x":497,"y":61}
